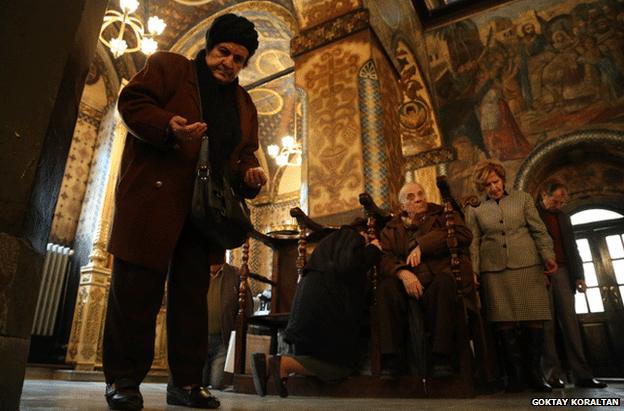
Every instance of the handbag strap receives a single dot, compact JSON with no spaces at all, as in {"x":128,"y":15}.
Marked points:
{"x":203,"y":162}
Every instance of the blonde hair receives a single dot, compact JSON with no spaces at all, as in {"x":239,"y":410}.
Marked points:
{"x":483,"y":170}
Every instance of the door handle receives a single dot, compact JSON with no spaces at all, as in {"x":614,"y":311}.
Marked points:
{"x":610,"y":290}
{"x":614,"y":294}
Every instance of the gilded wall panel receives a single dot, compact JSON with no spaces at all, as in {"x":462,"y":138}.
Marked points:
{"x":330,"y":78}
{"x":313,"y":12}
{"x":509,"y":79}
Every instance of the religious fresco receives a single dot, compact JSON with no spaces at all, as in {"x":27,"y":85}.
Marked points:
{"x":419,"y":128}
{"x":512,"y":78}
{"x":330,"y":77}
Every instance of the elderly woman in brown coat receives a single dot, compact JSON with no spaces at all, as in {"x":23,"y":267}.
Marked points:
{"x":167,"y":107}
{"x":511,"y":250}
{"x":416,"y":266}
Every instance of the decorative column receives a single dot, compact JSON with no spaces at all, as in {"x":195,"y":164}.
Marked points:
{"x":90,"y":310}
{"x":352,"y":117}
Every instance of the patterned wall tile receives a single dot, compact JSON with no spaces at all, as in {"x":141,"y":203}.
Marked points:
{"x":74,"y":185}
{"x":371,"y":121}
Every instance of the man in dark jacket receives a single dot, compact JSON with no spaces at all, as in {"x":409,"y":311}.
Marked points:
{"x":416,"y":266}
{"x":568,"y":279}
{"x":327,"y":311}
{"x":167,"y":107}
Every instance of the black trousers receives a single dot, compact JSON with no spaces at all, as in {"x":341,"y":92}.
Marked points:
{"x":395,"y":308}
{"x":134,"y":300}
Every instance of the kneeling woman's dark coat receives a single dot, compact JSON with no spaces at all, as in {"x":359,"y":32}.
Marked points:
{"x":330,"y":301}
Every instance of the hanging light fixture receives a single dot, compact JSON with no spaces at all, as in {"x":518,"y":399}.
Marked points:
{"x":144,"y":41}
{"x":289,"y":154}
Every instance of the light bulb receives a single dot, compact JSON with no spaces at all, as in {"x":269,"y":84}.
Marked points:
{"x":118,"y":46}
{"x":273,"y":150}
{"x":156,"y":25}
{"x":129,"y":6}
{"x":148,"y":46}
{"x":288,"y":142}
{"x":281,"y":160}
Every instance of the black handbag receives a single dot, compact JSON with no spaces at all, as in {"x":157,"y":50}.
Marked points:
{"x":217,"y":210}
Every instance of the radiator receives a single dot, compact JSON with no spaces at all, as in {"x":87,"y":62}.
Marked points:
{"x":55,"y":268}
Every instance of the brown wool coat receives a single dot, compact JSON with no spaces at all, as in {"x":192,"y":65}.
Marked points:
{"x":154,"y":188}
{"x":436,"y":258}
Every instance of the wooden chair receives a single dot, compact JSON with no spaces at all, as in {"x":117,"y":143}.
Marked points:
{"x":287,"y":267}
{"x":289,"y":254}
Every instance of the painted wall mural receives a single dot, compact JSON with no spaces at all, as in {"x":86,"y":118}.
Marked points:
{"x":330,"y":77}
{"x":514,"y":77}
{"x":419,"y":128}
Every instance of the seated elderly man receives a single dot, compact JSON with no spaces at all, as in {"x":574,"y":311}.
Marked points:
{"x":416,"y":266}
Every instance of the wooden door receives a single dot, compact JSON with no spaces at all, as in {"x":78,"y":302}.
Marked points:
{"x":600,"y":310}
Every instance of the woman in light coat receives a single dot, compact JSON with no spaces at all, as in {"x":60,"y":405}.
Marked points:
{"x":511,"y":250}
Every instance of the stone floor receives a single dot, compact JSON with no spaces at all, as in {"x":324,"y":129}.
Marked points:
{"x":49,"y":394}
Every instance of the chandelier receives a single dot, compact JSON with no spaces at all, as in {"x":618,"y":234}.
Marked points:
{"x":144,"y":41}
{"x":289,"y":154}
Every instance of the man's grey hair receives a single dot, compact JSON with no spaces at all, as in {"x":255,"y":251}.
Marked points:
{"x":402,"y":190}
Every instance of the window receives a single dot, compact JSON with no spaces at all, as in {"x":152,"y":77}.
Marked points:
{"x":593,"y":215}
{"x":591,"y":301}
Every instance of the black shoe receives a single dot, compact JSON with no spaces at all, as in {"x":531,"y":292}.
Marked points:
{"x":259,"y":373}
{"x":274,"y":370}
{"x":123,"y":398}
{"x":195,"y":397}
{"x":590,"y":383}
{"x":556,"y":382}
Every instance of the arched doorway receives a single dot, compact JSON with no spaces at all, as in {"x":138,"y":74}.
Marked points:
{"x":591,"y":164}
{"x":600,"y":309}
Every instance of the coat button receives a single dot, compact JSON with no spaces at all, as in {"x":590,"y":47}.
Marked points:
{"x":501,"y":221}
{"x":504,"y":245}
{"x":503,"y":233}
{"x":158,"y":184}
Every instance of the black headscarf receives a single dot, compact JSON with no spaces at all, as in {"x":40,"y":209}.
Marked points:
{"x":232,"y":28}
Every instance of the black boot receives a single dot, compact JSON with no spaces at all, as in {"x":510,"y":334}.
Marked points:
{"x":513,"y":359}
{"x":536,"y":348}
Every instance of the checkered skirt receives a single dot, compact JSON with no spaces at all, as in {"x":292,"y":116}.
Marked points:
{"x":516,"y":294}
